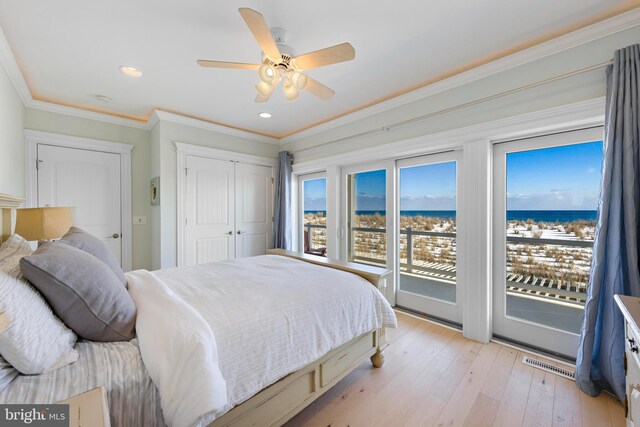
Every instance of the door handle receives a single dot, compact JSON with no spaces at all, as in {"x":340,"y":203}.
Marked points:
{"x":113,"y":236}
{"x":240,"y":232}
{"x":230,"y":233}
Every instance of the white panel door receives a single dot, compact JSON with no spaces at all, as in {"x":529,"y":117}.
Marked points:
{"x":209,"y":210}
{"x":254,"y":209}
{"x":89,"y":182}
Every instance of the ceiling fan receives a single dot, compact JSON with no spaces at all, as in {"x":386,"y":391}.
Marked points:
{"x":279,"y":62}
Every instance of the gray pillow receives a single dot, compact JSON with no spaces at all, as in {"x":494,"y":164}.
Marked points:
{"x":82,"y":291}
{"x":7,"y":373}
{"x":80,"y":239}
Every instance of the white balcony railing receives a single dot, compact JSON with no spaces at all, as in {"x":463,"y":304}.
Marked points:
{"x":530,"y":284}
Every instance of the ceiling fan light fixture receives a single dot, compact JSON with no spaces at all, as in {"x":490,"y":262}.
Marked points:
{"x":299,"y":79}
{"x":265,"y":89}
{"x":291,"y":91}
{"x":267,"y":73}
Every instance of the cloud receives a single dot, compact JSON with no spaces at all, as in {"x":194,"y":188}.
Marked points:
{"x":315,"y":203}
{"x":428,"y":203}
{"x":370,"y":202}
{"x":553,"y":200}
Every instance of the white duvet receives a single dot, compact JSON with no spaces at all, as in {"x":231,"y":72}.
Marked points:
{"x":213,"y":335}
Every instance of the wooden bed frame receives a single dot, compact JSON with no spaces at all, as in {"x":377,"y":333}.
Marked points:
{"x":279,"y":402}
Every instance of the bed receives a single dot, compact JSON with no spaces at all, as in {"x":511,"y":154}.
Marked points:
{"x":270,"y":333}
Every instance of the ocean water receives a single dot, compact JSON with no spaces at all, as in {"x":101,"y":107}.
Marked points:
{"x":534,"y":215}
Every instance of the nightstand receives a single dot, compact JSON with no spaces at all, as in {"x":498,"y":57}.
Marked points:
{"x":630,"y":308}
{"x":89,"y":409}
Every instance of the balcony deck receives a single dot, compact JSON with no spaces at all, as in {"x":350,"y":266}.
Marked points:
{"x":539,"y":288}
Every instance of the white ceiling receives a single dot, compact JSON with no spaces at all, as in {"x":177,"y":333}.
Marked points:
{"x":70,"y":50}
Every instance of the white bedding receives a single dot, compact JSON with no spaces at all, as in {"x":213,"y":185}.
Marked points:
{"x":269,"y":316}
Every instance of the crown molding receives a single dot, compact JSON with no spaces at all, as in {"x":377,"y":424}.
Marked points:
{"x":201,"y":124}
{"x":559,"y":44}
{"x":573,"y":39}
{"x":84,"y":114}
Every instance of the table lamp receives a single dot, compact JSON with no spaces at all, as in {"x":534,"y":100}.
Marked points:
{"x":43,"y":223}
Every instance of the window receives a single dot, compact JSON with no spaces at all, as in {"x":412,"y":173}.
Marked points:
{"x":428,"y":230}
{"x":551,"y":219}
{"x":366,"y":210}
{"x":314,"y":214}
{"x":546,"y":192}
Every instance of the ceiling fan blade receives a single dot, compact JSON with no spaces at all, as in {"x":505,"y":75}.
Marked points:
{"x":222,"y":64}
{"x":318,"y":89}
{"x":330,"y":55}
{"x":260,"y":30}
{"x":262,"y":98}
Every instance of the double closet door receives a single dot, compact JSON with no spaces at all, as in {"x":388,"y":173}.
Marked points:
{"x":228,"y":208}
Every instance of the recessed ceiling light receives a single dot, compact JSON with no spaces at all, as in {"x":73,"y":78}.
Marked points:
{"x":131,"y":71}
{"x":265,"y":115}
{"x":103,"y":98}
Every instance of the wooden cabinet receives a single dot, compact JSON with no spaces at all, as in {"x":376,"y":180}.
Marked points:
{"x":630,"y":307}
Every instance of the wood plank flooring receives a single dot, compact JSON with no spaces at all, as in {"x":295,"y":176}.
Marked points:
{"x":434,"y":377}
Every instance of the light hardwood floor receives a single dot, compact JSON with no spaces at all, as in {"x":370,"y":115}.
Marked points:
{"x":434,"y":376}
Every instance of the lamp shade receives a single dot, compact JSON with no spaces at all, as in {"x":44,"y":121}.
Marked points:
{"x":43,"y":223}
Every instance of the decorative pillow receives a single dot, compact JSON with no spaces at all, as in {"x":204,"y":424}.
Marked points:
{"x":80,"y":239}
{"x":14,"y":248}
{"x":82,"y":291}
{"x":32,"y":339}
{"x":7,"y":373}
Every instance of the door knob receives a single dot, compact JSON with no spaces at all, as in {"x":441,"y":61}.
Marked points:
{"x":113,"y":236}
{"x":240,"y":232}
{"x":230,"y":233}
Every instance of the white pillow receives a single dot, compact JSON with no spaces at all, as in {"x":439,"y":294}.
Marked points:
{"x":15,"y":247}
{"x":7,"y":373}
{"x":32,"y":338}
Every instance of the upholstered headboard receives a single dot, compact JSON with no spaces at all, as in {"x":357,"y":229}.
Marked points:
{"x":8,"y":205}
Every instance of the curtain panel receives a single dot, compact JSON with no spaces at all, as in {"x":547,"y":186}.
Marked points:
{"x":614,"y":268}
{"x":283,"y":210}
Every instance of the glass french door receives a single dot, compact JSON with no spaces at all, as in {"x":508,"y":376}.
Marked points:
{"x":545,"y":199}
{"x":365,"y":217}
{"x":426,"y":235}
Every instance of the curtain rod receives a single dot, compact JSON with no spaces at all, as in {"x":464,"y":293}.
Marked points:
{"x":470,"y":103}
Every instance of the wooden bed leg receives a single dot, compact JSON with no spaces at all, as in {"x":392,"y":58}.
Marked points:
{"x":377,"y":360}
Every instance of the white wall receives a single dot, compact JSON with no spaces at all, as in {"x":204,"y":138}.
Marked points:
{"x":12,"y":176}
{"x":164,"y":164}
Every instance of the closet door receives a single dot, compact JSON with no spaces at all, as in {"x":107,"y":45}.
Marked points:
{"x":209,"y":219}
{"x":254,"y":209}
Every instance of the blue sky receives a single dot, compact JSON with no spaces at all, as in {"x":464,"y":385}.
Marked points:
{"x":429,"y":187}
{"x":370,"y":190}
{"x":315,"y":195}
{"x":558,"y":178}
